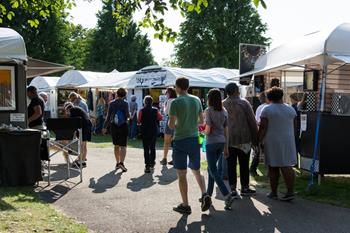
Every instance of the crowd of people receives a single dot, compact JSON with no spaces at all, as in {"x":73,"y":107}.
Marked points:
{"x":231,"y":128}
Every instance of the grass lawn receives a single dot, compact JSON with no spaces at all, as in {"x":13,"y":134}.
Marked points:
{"x":105,"y":141}
{"x":22,"y":211}
{"x":334,"y":190}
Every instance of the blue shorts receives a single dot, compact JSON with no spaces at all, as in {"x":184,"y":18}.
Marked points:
{"x":186,"y":148}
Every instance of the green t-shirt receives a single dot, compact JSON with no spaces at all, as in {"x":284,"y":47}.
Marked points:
{"x":186,"y":109}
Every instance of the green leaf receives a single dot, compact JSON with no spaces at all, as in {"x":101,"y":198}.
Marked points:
{"x":263,"y":3}
{"x":190,"y":7}
{"x":205,"y":3}
{"x":256,"y":2}
{"x":15,"y":4}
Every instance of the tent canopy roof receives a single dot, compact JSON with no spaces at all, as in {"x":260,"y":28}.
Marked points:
{"x":44,"y":83}
{"x":36,"y":67}
{"x":12,"y":46}
{"x":155,"y":76}
{"x":110,"y":80}
{"x":75,"y":78}
{"x":308,"y":49}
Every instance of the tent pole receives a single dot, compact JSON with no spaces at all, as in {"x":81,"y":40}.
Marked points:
{"x":323,"y":85}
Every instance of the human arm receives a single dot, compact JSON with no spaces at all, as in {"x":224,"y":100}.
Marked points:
{"x":226,"y":153}
{"x":108,"y":119}
{"x":172,"y":115}
{"x":139,"y":118}
{"x":159,"y":116}
{"x":172,"y":120}
{"x":264,"y":122}
{"x":208,"y":122}
{"x":37,"y":114}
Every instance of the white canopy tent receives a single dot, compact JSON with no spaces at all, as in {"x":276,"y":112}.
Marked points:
{"x":44,"y":83}
{"x":75,"y":78}
{"x":111,"y":80}
{"x":322,"y":47}
{"x":12,"y":46}
{"x":158,"y":77}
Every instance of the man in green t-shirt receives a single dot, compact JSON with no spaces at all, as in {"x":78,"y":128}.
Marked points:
{"x":185,"y":114}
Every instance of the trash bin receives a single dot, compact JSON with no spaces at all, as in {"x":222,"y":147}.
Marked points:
{"x":20,"y":162}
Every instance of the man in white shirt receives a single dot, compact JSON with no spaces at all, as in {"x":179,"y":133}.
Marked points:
{"x":256,"y":154}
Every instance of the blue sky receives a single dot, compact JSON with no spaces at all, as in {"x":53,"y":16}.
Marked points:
{"x":286,"y":19}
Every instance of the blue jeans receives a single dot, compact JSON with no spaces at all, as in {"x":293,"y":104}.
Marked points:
{"x":214,"y":158}
{"x":133,"y":128}
{"x":186,"y":148}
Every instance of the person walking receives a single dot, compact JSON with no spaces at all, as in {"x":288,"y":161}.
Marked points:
{"x":117,"y":121}
{"x":169,"y":133}
{"x":77,"y":100}
{"x":185,"y":114}
{"x":100,"y":114}
{"x":73,"y":112}
{"x":216,"y":137}
{"x":35,"y":109}
{"x":242,"y":134}
{"x":277,"y":133}
{"x":133,"y":118}
{"x":149,"y":118}
{"x":256,"y":153}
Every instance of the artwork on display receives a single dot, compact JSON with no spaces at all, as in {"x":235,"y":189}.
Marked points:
{"x":248,"y":55}
{"x":7,"y":88}
{"x":162,"y":123}
{"x":151,"y":79}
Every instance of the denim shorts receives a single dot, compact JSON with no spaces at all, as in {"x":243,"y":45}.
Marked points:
{"x":184,"y":150}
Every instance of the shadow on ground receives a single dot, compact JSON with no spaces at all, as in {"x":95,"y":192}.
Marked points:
{"x":105,"y":182}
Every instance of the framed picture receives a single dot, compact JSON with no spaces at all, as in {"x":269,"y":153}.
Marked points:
{"x":7,"y":88}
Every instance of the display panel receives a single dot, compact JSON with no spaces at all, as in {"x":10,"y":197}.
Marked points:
{"x":7,"y":88}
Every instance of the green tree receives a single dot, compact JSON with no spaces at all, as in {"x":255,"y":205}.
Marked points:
{"x":122,"y":12}
{"x":54,"y":39}
{"x":110,"y":50}
{"x":211,"y":39}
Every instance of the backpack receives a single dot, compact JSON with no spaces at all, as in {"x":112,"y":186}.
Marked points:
{"x":119,"y":118}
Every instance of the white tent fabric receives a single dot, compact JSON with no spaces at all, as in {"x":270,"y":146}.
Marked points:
{"x":111,"y":80}
{"x":12,"y":46}
{"x":44,"y":83}
{"x":311,"y":48}
{"x":153,"y":77}
{"x":75,"y":78}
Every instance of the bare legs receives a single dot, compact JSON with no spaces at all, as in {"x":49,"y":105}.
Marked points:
{"x":119,"y":153}
{"x":83,"y":151}
{"x":167,"y":142}
{"x":183,"y":186}
{"x":288,"y":176}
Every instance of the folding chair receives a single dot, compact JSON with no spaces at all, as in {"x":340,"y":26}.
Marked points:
{"x":68,"y":139}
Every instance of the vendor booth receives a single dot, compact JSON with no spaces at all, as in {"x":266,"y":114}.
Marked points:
{"x":153,"y":81}
{"x":70,"y":81}
{"x":48,"y":85}
{"x":324,"y":58}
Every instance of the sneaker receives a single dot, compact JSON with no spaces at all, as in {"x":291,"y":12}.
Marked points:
{"x":247,"y":192}
{"x":272,"y":195}
{"x":121,"y":166}
{"x":163,"y":162}
{"x":234,"y":193}
{"x":228,"y":202}
{"x":206,"y":202}
{"x":288,"y":197}
{"x":147,"y":169}
{"x":117,"y":166}
{"x":171,"y":163}
{"x":76,"y":164}
{"x":183,"y":209}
